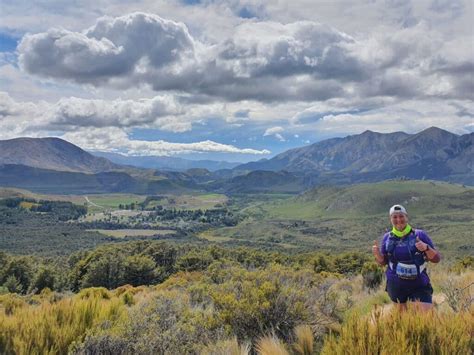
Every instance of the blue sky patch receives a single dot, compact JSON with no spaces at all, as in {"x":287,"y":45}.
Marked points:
{"x":7,"y":42}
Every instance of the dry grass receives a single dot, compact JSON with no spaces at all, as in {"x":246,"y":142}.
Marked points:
{"x":304,"y":344}
{"x":271,"y":345}
{"x":404,"y":333}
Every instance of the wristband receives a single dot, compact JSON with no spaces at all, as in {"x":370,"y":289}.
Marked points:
{"x":427,"y":248}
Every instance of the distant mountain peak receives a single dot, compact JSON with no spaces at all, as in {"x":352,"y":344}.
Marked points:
{"x":432,"y":153}
{"x":432,"y":131}
{"x":52,"y":153}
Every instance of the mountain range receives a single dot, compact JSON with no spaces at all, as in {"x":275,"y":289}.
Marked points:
{"x":165,"y":163}
{"x":52,"y":164}
{"x":371,"y":152}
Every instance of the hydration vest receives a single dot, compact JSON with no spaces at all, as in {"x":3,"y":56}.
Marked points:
{"x":405,"y":269}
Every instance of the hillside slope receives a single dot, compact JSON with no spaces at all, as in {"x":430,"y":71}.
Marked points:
{"x":419,"y":197}
{"x":52,"y":154}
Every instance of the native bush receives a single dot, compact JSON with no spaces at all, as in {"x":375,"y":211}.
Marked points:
{"x":372,"y":275}
{"x":165,"y":323}
{"x":275,"y":299}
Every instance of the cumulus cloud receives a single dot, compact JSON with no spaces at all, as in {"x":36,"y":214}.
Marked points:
{"x":263,"y":61}
{"x":112,"y":48}
{"x":160,"y":112}
{"x":306,"y":67}
{"x":114,"y":140}
{"x":104,"y":125}
{"x":119,"y":113}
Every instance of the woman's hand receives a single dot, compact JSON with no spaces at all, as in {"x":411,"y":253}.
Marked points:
{"x":430,"y":253}
{"x":421,"y":246}
{"x":378,"y":255}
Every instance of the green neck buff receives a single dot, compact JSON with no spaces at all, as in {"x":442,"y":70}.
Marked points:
{"x":402,"y":233}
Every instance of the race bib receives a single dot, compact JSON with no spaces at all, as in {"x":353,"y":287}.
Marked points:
{"x":406,"y":271}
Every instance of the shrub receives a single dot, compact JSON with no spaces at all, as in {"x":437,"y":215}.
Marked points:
{"x":372,"y":275}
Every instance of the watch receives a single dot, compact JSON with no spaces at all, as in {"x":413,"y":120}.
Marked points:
{"x":427,"y":248}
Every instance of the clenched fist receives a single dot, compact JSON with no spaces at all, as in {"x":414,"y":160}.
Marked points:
{"x":421,"y":246}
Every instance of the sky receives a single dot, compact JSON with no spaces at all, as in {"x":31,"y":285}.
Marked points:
{"x":232,"y":80}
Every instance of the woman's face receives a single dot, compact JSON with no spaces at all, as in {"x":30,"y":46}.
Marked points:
{"x":399,"y":220}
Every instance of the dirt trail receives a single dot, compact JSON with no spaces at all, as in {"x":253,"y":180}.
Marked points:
{"x":92,"y":203}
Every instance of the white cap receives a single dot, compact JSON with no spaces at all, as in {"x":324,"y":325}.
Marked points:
{"x":398,"y":208}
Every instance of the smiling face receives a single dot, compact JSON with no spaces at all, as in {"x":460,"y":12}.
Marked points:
{"x":399,"y":220}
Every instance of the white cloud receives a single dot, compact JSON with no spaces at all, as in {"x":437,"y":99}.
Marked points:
{"x":130,"y":45}
{"x":104,"y":125}
{"x":331,"y":68}
{"x":119,"y":113}
{"x":271,"y":131}
{"x":68,"y":113}
{"x":408,"y":116}
{"x":276,"y":132}
{"x":114,"y":140}
{"x":262,"y":60}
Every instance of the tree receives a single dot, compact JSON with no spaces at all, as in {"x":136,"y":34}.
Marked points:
{"x":45,"y":277}
{"x":20,"y":268}
{"x":139,"y":270}
{"x":106,"y":271}
{"x":12,"y":285}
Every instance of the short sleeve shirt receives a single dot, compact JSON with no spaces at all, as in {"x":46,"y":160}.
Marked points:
{"x":401,"y":253}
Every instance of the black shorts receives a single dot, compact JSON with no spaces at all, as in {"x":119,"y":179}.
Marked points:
{"x":403,"y":294}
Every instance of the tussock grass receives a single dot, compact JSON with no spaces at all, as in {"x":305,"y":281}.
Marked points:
{"x":304,"y":340}
{"x":50,"y":328}
{"x":404,"y":333}
{"x":228,"y":347}
{"x":271,"y":345}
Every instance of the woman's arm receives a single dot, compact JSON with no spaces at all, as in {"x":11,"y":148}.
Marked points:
{"x":379,"y":257}
{"x":432,"y":254}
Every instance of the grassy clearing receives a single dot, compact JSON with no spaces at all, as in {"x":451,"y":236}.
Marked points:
{"x":28,"y":205}
{"x":123,"y":233}
{"x":190,"y":202}
{"x":112,"y":201}
{"x":209,"y":236}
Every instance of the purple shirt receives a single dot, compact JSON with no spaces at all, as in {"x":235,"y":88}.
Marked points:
{"x":401,"y":253}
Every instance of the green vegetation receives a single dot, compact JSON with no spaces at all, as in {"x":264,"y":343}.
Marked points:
{"x":112,"y":201}
{"x":351,"y":217}
{"x":25,"y":232}
{"x":123,"y":233}
{"x":269,"y":274}
{"x":212,"y":300}
{"x":420,"y":197}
